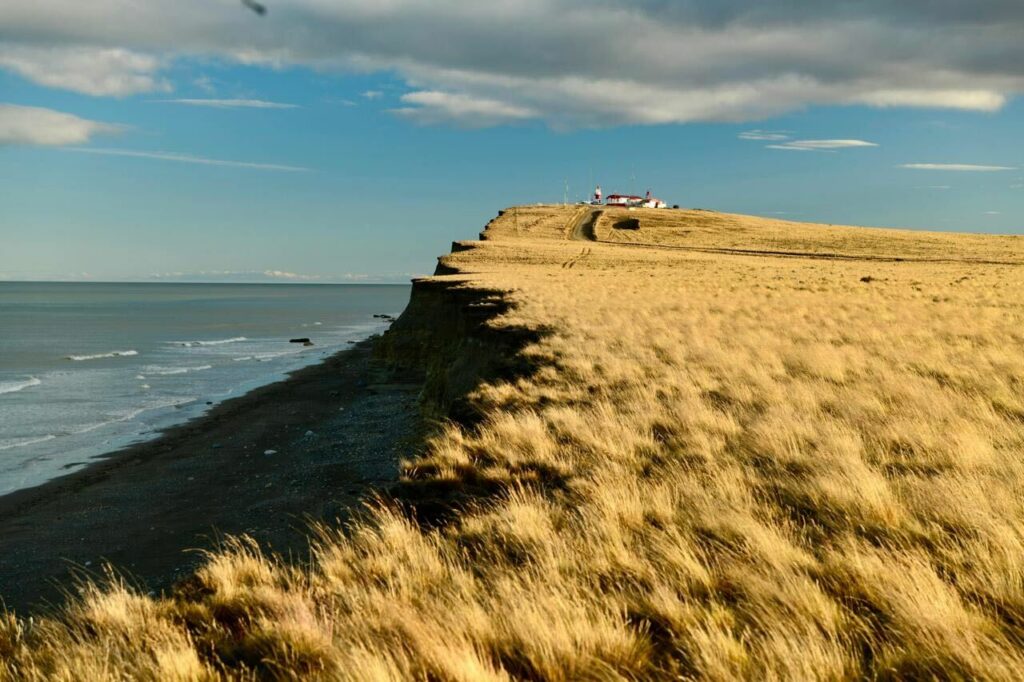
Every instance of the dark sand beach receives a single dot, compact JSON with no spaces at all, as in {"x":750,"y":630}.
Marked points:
{"x":337,"y":429}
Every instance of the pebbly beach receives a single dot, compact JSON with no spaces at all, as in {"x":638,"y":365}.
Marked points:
{"x":267,"y":465}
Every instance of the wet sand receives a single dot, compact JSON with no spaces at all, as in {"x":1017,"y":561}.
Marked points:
{"x":338,"y":430}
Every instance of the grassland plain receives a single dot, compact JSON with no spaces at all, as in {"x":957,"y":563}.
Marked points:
{"x":742,"y":449}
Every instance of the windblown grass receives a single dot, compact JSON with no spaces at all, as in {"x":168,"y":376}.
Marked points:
{"x":725,"y":466}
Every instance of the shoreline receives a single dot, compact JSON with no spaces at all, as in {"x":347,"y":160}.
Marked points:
{"x":338,"y":429}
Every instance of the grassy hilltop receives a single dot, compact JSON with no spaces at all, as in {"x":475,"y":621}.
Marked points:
{"x":731,"y":447}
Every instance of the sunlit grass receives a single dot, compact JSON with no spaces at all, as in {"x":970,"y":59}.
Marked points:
{"x":723,"y":466}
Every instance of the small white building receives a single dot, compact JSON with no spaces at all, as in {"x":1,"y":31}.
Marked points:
{"x":633,"y":201}
{"x":623,"y":200}
{"x":653,"y":202}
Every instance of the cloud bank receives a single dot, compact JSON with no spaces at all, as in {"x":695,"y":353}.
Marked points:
{"x":570,"y":63}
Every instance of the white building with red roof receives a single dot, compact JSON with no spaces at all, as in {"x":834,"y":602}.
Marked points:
{"x":633,"y":200}
{"x":623,"y":200}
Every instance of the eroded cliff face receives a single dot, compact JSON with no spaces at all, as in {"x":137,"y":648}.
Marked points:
{"x":446,"y":331}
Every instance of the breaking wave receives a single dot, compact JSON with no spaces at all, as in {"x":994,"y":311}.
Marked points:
{"x":170,"y":371}
{"x":128,"y":415}
{"x":15,"y":386}
{"x":218,"y":342}
{"x":116,"y":418}
{"x":100,"y":356}
{"x":264,"y":357}
{"x":9,"y":444}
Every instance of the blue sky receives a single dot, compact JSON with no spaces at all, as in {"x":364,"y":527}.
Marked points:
{"x":361,"y":169}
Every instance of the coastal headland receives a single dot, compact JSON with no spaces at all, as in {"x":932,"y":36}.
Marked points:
{"x":657,"y":444}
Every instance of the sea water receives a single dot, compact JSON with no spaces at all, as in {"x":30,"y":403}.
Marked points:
{"x":88,"y":368}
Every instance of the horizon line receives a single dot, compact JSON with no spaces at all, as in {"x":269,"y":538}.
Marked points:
{"x":150,"y":281}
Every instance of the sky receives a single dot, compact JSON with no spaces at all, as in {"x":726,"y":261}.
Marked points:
{"x":353,"y":140}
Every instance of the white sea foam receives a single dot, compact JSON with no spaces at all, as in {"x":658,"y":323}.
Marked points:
{"x":128,"y":415}
{"x":218,"y":342}
{"x":100,"y":356}
{"x":15,"y":386}
{"x":170,"y":371}
{"x":263,"y":357}
{"x":20,"y":443}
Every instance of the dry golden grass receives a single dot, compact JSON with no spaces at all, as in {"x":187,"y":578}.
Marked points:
{"x":699,"y":229}
{"x":724,"y":466}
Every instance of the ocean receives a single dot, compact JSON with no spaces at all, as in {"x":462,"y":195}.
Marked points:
{"x":87,"y":368}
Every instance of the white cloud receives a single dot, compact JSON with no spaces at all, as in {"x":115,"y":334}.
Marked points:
{"x":831,"y":144}
{"x":231,"y":103}
{"x":959,"y":167}
{"x":91,"y":71}
{"x":38,"y":126}
{"x":821,"y":145}
{"x":186,"y":158}
{"x":763,"y":135}
{"x":789,"y":148}
{"x":993,"y":213}
{"x":657,"y":61}
{"x":373,"y":94}
{"x":472,"y":112}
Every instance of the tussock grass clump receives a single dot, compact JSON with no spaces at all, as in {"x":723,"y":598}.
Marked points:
{"x":725,"y":466}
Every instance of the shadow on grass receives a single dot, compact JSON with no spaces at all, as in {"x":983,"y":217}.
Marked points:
{"x":449,"y":332}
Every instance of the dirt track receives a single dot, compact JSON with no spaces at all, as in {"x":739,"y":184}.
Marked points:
{"x":583,"y":227}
